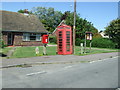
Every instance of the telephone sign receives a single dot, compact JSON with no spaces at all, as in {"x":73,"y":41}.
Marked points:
{"x":88,"y":35}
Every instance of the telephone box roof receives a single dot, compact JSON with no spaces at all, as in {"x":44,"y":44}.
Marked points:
{"x":63,"y":25}
{"x":88,"y":32}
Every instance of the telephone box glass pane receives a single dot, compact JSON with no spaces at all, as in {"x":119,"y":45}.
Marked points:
{"x":67,"y":40}
{"x":60,"y":41}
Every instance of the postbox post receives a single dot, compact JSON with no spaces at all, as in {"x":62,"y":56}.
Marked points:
{"x":85,"y":45}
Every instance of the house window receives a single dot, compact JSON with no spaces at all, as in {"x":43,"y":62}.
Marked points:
{"x":31,"y":37}
{"x":26,"y":37}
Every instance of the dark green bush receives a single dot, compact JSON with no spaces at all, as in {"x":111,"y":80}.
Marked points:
{"x":2,"y":45}
{"x":78,"y":41}
{"x":97,"y":42}
{"x":102,"y":43}
{"x":52,"y":39}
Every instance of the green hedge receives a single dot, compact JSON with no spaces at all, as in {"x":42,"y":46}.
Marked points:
{"x":103,"y":43}
{"x":97,"y":42}
{"x":52,"y":39}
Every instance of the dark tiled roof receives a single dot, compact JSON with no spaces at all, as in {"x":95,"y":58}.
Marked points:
{"x":13,"y":21}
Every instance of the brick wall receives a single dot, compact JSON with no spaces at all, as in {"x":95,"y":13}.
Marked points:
{"x":4,"y":37}
{"x":17,"y":40}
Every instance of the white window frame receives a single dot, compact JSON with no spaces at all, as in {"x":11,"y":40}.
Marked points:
{"x":26,"y":37}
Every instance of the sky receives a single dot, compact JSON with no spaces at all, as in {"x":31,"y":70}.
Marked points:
{"x":99,"y":13}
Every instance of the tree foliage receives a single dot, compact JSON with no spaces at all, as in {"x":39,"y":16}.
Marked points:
{"x":113,"y":31}
{"x":48,"y":16}
{"x":21,"y":11}
{"x":51,"y":19}
{"x":82,"y":25}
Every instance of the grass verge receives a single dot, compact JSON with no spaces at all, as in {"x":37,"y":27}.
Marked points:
{"x":23,"y":52}
{"x":5,"y":50}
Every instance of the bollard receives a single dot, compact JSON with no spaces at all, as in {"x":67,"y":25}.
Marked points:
{"x":37,"y":50}
{"x":81,"y":45}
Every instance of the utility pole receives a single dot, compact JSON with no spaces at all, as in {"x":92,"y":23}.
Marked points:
{"x":74,"y":27}
{"x":85,"y":44}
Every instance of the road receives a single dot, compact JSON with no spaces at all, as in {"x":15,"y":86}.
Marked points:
{"x":98,"y":74}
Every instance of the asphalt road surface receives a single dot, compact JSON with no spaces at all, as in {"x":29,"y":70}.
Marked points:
{"x":99,"y":74}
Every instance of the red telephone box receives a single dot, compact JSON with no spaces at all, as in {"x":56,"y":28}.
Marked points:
{"x":64,"y":39}
{"x":45,"y":39}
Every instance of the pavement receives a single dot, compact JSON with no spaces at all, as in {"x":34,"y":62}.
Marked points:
{"x":10,"y":52}
{"x":56,"y":59}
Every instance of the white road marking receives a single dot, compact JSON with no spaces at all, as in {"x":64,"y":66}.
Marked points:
{"x":103,"y":59}
{"x":36,"y":73}
{"x":67,"y":67}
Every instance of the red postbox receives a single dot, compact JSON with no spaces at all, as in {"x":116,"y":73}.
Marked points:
{"x":45,"y":39}
{"x":64,"y":39}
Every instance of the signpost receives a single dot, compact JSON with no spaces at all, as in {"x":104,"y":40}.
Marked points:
{"x":88,"y":36}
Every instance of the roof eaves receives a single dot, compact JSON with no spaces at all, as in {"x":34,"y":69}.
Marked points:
{"x":23,"y":31}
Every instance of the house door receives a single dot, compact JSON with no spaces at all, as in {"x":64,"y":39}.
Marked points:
{"x":10,"y":39}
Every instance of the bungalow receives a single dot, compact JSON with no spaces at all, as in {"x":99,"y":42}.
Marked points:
{"x":21,"y":30}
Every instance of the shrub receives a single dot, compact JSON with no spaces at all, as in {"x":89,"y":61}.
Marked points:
{"x":52,"y":39}
{"x":97,"y":42}
{"x":78,"y":41}
{"x":2,"y":45}
{"x":102,"y":43}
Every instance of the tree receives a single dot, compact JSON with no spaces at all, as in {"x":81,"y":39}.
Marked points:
{"x":21,"y":11}
{"x":48,"y":16}
{"x":82,"y":25}
{"x":113,"y":31}
{"x":51,"y":19}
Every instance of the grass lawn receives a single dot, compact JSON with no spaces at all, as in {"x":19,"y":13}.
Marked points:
{"x":22,"y":52}
{"x":30,"y":51}
{"x":94,"y":50}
